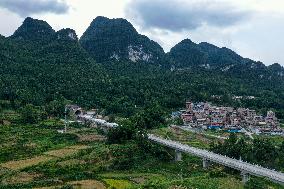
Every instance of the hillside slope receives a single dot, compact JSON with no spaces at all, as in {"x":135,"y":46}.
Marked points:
{"x":116,"y":39}
{"x":39,"y":64}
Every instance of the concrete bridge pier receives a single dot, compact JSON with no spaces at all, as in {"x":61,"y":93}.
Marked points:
{"x":178,"y":156}
{"x":205,"y":163}
{"x":245,"y":176}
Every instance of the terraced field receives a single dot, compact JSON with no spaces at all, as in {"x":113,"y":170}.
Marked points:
{"x":36,"y":156}
{"x":47,"y":156}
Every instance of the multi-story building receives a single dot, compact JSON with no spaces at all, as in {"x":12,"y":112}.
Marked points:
{"x":200,"y":114}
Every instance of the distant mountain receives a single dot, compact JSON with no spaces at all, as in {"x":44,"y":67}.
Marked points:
{"x":218,"y":55}
{"x":67,"y":34}
{"x":33,"y":29}
{"x":276,"y":67}
{"x":116,"y":39}
{"x":39,"y":64}
{"x":45,"y":44}
{"x":187,"y":53}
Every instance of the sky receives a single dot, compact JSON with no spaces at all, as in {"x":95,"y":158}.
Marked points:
{"x":252,"y":28}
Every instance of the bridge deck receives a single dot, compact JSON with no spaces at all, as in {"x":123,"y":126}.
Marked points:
{"x":217,"y":158}
{"x":223,"y":160}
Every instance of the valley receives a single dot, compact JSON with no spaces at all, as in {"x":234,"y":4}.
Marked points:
{"x":130,"y":82}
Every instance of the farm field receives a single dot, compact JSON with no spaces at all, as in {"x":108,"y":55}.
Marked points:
{"x":82,"y":158}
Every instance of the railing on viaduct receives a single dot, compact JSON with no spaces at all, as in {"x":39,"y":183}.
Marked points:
{"x":207,"y":156}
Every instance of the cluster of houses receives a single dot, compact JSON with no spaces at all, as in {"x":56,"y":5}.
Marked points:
{"x":208,"y":116}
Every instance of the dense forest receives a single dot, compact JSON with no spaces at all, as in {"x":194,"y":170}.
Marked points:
{"x":47,"y":69}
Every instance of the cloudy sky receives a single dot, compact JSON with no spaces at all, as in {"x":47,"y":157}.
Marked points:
{"x":252,"y":28}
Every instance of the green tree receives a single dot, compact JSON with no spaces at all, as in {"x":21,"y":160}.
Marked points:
{"x":152,"y":117}
{"x":1,"y":116}
{"x":32,"y":114}
{"x":126,"y":131}
{"x":256,"y":183}
{"x":178,"y":121}
{"x":263,"y":152}
{"x":56,"y":107}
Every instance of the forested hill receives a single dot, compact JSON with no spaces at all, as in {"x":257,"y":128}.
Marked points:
{"x":114,"y":68}
{"x":188,"y":54}
{"x":116,"y":39}
{"x":47,"y":66}
{"x":33,"y":29}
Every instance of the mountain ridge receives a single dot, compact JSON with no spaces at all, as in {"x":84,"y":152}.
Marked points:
{"x":117,"y":39}
{"x":59,"y":63}
{"x":34,"y":29}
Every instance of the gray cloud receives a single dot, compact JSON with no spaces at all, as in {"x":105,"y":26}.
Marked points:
{"x":181,"y":15}
{"x":28,"y":7}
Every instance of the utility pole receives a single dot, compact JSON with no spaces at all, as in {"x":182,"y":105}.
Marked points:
{"x":66,"y":120}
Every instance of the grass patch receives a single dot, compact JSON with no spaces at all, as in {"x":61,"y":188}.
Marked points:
{"x":61,"y":153}
{"x":20,"y":178}
{"x":186,"y":137}
{"x":276,"y":140}
{"x":87,"y":184}
{"x":230,"y":183}
{"x":117,"y":184}
{"x":50,"y":155}
{"x":57,"y":160}
{"x":26,"y":141}
{"x":91,"y":137}
{"x":65,"y":152}
{"x":79,"y":147}
{"x":21,"y":164}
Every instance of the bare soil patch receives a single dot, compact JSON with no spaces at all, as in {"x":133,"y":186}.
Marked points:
{"x":68,"y":151}
{"x":138,"y":180}
{"x":79,"y":147}
{"x":87,"y":184}
{"x":91,"y":138}
{"x":21,"y":177}
{"x":71,"y":162}
{"x":61,"y":153}
{"x":21,"y":164}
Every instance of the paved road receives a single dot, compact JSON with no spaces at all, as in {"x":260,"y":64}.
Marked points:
{"x":202,"y":133}
{"x":223,"y":160}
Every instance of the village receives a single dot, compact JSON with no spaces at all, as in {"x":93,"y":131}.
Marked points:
{"x":204,"y":115}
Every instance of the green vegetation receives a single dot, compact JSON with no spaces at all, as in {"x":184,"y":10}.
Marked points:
{"x":42,"y":157}
{"x":107,"y":38}
{"x":23,"y":141}
{"x":186,"y":137}
{"x":136,"y":126}
{"x":49,"y":68}
{"x":43,"y":70}
{"x":31,"y":114}
{"x":260,"y":183}
{"x":260,"y":151}
{"x":119,"y":184}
